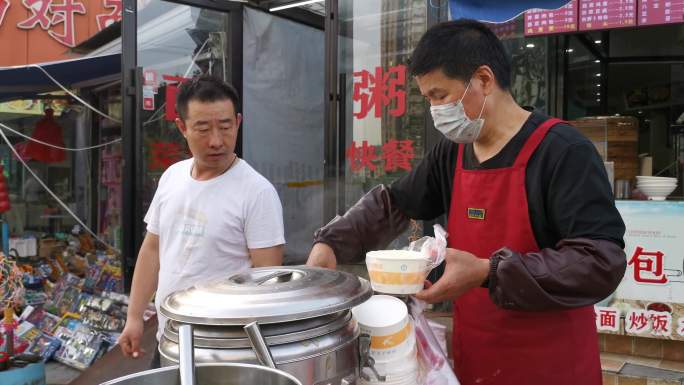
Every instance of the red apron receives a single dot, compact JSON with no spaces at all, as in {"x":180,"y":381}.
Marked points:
{"x":495,"y":346}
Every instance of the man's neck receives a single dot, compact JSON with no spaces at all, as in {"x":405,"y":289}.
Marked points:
{"x":199,"y":173}
{"x":500,"y":127}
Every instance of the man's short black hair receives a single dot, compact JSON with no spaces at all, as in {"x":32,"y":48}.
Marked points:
{"x":205,"y":89}
{"x":459,"y":48}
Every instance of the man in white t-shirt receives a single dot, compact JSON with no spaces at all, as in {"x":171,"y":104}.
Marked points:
{"x":211,"y":216}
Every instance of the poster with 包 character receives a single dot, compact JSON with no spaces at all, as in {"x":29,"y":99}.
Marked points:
{"x":649,"y":301}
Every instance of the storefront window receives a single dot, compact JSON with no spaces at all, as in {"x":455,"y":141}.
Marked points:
{"x":175,"y":42}
{"x":384,"y":115}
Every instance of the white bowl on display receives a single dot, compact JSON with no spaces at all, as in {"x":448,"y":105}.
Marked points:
{"x":656,"y":193}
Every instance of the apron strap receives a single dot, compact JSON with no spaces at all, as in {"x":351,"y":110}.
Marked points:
{"x":534,"y":140}
{"x":459,"y":157}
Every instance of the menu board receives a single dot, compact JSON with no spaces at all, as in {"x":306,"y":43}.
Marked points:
{"x":507,"y":30}
{"x":652,"y":12}
{"x":605,"y":14}
{"x":543,"y":21}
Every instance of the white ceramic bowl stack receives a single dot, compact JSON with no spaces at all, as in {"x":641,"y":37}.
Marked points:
{"x":393,"y":340}
{"x":656,"y":188}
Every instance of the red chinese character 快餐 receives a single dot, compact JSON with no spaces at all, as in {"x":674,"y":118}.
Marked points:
{"x":361,"y":157}
{"x":104,"y":20}
{"x":39,"y":14}
{"x":648,"y":266}
{"x":164,"y":154}
{"x":171,"y":90}
{"x":398,"y":154}
{"x":375,"y":91}
{"x":638,"y":321}
{"x":65,"y":14}
{"x":4,"y":7}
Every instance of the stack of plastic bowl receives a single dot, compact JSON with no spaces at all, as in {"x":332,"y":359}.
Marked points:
{"x":656,"y":188}
{"x":397,"y":271}
{"x":393,"y":341}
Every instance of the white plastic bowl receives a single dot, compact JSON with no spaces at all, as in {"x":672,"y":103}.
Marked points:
{"x":658,"y":193}
{"x":397,"y":271}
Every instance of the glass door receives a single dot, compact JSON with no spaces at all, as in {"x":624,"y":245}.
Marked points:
{"x":175,"y":43}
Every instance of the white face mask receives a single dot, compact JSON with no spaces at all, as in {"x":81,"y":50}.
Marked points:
{"x":451,"y":120}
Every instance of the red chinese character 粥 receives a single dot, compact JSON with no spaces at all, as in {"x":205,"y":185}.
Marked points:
{"x":608,"y":319}
{"x":164,"y":154}
{"x":4,"y":7}
{"x":361,"y":157}
{"x":398,"y":154}
{"x":170,"y":113}
{"x":378,"y":90}
{"x":39,"y":14}
{"x":638,"y":321}
{"x":649,"y":263}
{"x":65,"y":14}
{"x":662,"y":323}
{"x":104,"y":20}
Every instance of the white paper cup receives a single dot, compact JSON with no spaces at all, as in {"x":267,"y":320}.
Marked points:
{"x":397,"y":271}
{"x":385,"y":319}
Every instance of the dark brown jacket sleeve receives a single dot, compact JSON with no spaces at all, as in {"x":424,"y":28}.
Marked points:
{"x":371,"y":224}
{"x":578,"y":272}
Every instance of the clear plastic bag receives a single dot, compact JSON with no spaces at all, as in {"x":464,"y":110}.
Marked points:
{"x":434,"y":248}
{"x":433,"y":360}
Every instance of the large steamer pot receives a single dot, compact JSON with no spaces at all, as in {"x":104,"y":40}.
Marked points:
{"x":211,"y":374}
{"x":303,"y":313}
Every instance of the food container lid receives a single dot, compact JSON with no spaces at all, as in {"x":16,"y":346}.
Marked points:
{"x":267,"y":295}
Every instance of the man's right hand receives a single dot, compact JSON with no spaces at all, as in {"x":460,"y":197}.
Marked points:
{"x":130,"y":338}
{"x":322,"y":255}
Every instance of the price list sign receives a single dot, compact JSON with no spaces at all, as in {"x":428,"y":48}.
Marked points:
{"x":605,"y":14}
{"x":544,"y":22}
{"x":653,"y":12}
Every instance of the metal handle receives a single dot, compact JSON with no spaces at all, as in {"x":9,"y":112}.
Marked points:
{"x":259,"y":345}
{"x":278,"y":274}
{"x":186,"y":356}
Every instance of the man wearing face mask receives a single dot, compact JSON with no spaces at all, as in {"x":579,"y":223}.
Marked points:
{"x":534,"y":236}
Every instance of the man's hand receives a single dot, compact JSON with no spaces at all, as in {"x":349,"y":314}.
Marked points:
{"x":322,"y":255}
{"x":130,"y":338}
{"x":463,"y":272}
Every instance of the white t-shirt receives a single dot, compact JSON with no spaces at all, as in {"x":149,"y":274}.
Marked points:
{"x":206,"y":227}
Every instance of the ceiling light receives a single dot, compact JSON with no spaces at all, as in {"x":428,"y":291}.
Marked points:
{"x":529,"y":45}
{"x":598,"y":84}
{"x":597,"y":61}
{"x":598,"y":94}
{"x":295,"y":4}
{"x":598,"y":100}
{"x":569,"y":50}
{"x":597,"y":41}
{"x":598,"y":74}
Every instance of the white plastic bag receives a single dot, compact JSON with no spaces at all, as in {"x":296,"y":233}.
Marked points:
{"x":432,"y":248}
{"x":433,"y":360}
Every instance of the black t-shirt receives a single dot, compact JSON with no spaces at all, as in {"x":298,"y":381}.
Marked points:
{"x":568,"y":192}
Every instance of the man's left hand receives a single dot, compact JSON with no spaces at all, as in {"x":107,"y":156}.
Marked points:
{"x":463,"y":272}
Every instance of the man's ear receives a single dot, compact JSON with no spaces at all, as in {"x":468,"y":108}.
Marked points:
{"x":487,"y":79}
{"x":239,"y":120}
{"x":181,"y":127}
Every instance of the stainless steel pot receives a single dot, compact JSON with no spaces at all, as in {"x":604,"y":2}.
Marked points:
{"x":303,"y":313}
{"x":211,"y":374}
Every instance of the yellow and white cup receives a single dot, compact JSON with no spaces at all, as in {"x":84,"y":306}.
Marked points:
{"x":386,"y":320}
{"x":397,"y":271}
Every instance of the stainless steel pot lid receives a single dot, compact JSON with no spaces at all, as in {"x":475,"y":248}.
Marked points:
{"x":267,"y":295}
